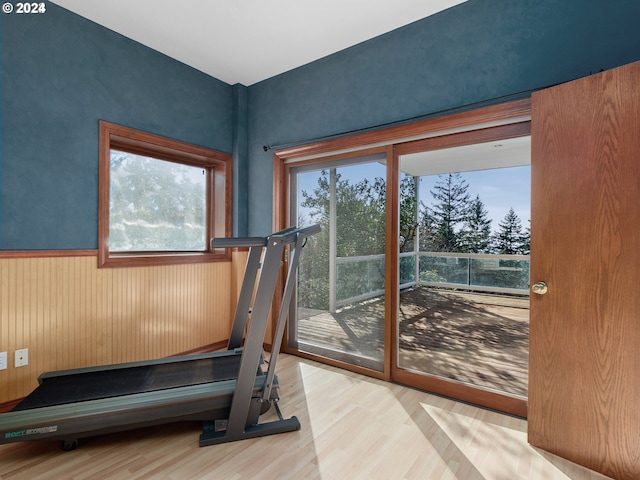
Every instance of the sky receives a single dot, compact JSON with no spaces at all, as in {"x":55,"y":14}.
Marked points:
{"x":499,"y":189}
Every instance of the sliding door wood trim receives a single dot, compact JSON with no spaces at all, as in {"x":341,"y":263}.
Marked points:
{"x":494,"y":114}
{"x":472,"y":137}
{"x":459,"y":391}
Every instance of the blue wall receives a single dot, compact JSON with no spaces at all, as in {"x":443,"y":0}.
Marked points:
{"x":474,"y":52}
{"x":61,"y":74}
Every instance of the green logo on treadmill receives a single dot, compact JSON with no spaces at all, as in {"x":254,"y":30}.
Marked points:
{"x":32,"y":431}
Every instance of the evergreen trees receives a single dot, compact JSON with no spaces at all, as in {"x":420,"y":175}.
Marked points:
{"x":408,"y":212}
{"x":476,"y":232}
{"x":510,"y":239}
{"x":450,"y":211}
{"x":354,"y":210}
{"x":454,"y":223}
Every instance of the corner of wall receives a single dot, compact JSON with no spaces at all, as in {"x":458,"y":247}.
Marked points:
{"x":240,"y":159}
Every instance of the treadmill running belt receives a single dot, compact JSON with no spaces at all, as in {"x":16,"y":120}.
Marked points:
{"x":86,"y":386}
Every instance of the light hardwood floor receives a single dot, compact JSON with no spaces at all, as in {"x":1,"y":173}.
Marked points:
{"x":353,"y":427}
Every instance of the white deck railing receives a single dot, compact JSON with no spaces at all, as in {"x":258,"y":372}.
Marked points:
{"x":361,"y":278}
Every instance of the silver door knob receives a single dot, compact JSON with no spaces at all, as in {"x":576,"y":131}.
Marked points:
{"x":539,"y":288}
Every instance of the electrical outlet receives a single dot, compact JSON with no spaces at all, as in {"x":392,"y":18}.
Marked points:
{"x":22,"y":357}
{"x":3,"y":360}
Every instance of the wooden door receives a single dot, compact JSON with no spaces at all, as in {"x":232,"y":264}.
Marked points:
{"x":584,"y":377}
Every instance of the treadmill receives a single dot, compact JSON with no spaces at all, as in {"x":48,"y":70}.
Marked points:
{"x":227,"y":390}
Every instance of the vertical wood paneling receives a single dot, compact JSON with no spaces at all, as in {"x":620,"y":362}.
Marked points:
{"x":71,"y":314}
{"x":4,"y":325}
{"x":21,"y":310}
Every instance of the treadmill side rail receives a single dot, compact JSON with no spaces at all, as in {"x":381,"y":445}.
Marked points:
{"x":88,"y":418}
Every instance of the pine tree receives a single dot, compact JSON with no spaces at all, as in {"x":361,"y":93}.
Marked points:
{"x":445,"y":217}
{"x":475,"y":236}
{"x":526,"y":240}
{"x":509,"y":239}
{"x":428,"y":230}
{"x":408,"y":207}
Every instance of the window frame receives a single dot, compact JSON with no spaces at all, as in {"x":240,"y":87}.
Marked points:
{"x":218,"y":170}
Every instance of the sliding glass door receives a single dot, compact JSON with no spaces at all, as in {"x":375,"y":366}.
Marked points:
{"x":421,"y":272}
{"x":463,"y":316}
{"x":339,"y":308}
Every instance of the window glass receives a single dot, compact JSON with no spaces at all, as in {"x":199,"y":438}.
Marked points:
{"x":340,"y":305}
{"x":156,"y":205}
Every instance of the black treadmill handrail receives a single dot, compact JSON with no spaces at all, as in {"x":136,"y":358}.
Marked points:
{"x":292,"y":234}
{"x":238,"y":242}
{"x":288,"y":235}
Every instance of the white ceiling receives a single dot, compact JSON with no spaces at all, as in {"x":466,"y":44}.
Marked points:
{"x":246,"y":41}
{"x":513,"y":152}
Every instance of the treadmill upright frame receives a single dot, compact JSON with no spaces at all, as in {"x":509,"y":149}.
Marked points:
{"x":240,"y":424}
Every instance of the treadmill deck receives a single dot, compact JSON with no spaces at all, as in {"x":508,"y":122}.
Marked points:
{"x":94,"y":385}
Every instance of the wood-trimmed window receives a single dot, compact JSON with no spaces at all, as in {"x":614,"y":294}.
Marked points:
{"x":160,"y":200}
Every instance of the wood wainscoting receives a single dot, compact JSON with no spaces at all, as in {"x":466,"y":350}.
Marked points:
{"x":71,"y":314}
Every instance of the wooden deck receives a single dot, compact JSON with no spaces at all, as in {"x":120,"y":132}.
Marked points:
{"x":472,"y":338}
